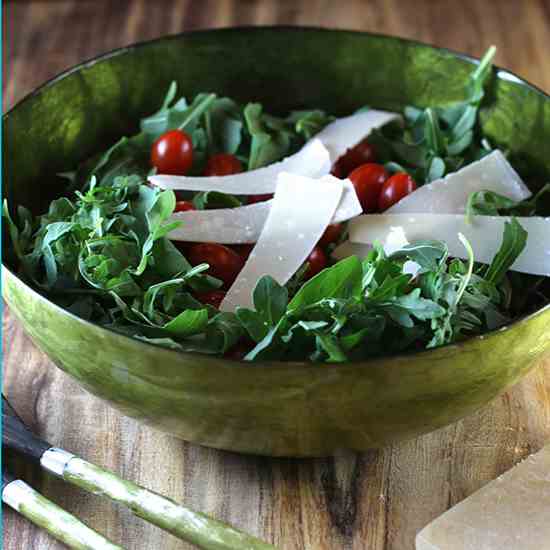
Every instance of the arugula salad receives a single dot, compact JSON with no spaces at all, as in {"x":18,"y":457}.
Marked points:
{"x":222,"y":229}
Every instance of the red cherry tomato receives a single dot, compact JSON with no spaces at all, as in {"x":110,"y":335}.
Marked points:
{"x":394,"y":189}
{"x":331,"y":234}
{"x":243,"y":250}
{"x":184,"y":246}
{"x":213,"y":298}
{"x":368,"y":180}
{"x":362,"y":153}
{"x":317,"y":261}
{"x":183,"y":206}
{"x":225,"y":263}
{"x":337,"y":171}
{"x":222,"y":164}
{"x":172,"y":153}
{"x":252,"y":199}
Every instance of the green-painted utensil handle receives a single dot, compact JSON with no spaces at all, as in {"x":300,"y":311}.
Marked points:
{"x":58,"y":522}
{"x":186,"y":524}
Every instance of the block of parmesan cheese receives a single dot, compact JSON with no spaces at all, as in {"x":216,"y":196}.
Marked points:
{"x":510,"y":513}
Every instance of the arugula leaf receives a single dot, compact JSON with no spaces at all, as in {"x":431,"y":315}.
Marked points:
{"x":269,"y":141}
{"x":513,"y":243}
{"x":188,"y":322}
{"x":343,"y":280}
{"x":402,"y":308}
{"x":207,"y":200}
{"x":428,"y":254}
{"x":439,"y":139}
{"x":270,"y":299}
{"x":331,"y":345}
{"x":224,"y":126}
{"x":270,"y":302}
{"x":180,"y":115}
{"x":309,"y":123}
{"x":489,"y":203}
{"x":13,"y":230}
{"x":223,"y":332}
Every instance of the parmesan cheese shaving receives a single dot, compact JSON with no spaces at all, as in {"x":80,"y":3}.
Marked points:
{"x":450,"y":194}
{"x":314,"y":160}
{"x":301,"y":211}
{"x":244,"y":224}
{"x":345,"y":132}
{"x":484,"y":234}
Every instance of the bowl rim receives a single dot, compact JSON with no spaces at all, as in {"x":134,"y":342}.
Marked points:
{"x":500,"y":73}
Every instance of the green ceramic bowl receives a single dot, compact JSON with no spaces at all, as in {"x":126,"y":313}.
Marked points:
{"x":292,"y":409}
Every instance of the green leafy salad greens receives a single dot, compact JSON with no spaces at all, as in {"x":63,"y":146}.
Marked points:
{"x":103,"y":252}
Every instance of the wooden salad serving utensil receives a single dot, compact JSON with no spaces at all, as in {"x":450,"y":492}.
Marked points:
{"x":186,"y":524}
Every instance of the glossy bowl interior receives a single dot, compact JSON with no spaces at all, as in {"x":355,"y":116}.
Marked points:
{"x":283,"y":409}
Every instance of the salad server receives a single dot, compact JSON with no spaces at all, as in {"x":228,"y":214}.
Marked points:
{"x":188,"y":525}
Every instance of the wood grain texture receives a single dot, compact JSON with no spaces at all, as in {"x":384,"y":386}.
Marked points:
{"x":372,"y":501}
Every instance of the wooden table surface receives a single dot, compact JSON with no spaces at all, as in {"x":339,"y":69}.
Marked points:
{"x":373,"y":501}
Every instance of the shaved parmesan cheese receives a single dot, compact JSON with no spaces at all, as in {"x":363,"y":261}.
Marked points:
{"x":314,"y":160}
{"x":450,"y":194}
{"x":343,"y":133}
{"x":244,"y":224}
{"x":484,"y":234}
{"x":301,"y":211}
{"x":509,"y":513}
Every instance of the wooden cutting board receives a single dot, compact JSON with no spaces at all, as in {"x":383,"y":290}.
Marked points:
{"x":373,"y":501}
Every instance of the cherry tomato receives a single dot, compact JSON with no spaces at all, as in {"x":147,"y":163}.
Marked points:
{"x":243,"y":250}
{"x":184,"y":246}
{"x":362,"y":153}
{"x":183,"y":206}
{"x":394,"y":189}
{"x":172,"y":153}
{"x":252,"y":199}
{"x":368,"y":180}
{"x":213,"y":298}
{"x":337,"y":171}
{"x":331,"y":234}
{"x":222,"y":164}
{"x":317,"y":261}
{"x":225,"y":263}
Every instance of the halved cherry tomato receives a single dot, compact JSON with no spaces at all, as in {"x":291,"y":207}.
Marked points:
{"x":331,"y":234}
{"x":317,"y":261}
{"x":222,"y":164}
{"x":394,"y":189}
{"x":172,"y":153}
{"x":362,"y":153}
{"x":213,"y":298}
{"x":252,"y":199}
{"x":225,"y":263}
{"x":183,"y":206}
{"x":243,"y":250}
{"x":368,"y":180}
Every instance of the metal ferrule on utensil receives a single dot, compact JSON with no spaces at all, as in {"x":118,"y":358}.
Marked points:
{"x":55,"y":460}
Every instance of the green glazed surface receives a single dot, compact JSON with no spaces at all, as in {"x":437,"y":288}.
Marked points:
{"x":283,"y":409}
